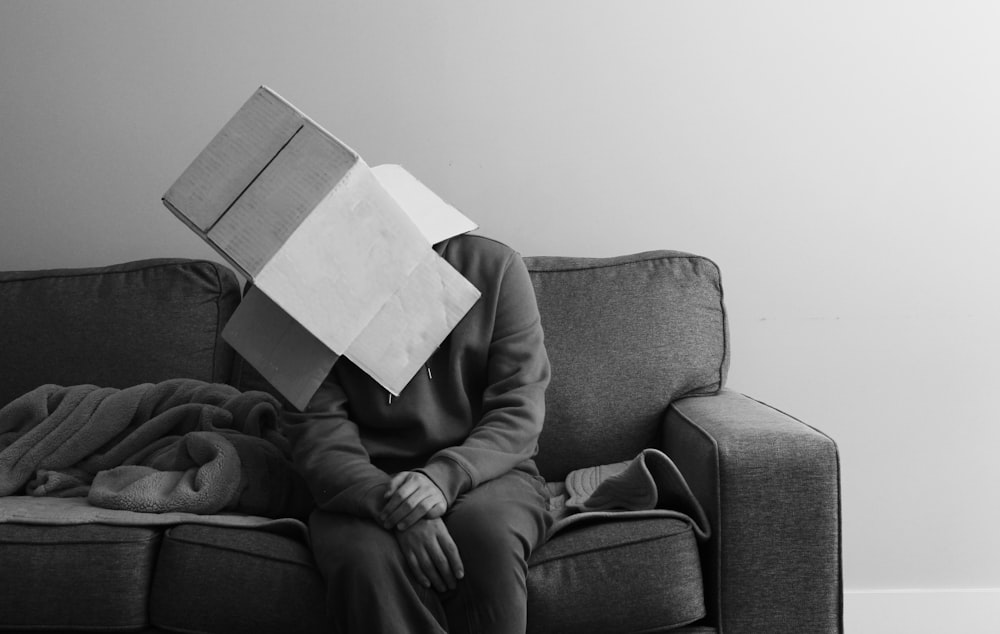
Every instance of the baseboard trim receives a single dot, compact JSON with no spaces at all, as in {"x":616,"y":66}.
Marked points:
{"x":922,"y":611}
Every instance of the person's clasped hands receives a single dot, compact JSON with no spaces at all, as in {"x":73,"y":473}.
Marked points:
{"x":413,"y":508}
{"x":411,"y":496}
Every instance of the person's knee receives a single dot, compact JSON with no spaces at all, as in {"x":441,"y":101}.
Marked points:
{"x":480,"y":524}
{"x":487,"y":544}
{"x":493,"y":523}
{"x":349,"y":546}
{"x":363,"y":566}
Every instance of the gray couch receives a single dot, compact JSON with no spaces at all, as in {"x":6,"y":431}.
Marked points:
{"x":639,"y":348}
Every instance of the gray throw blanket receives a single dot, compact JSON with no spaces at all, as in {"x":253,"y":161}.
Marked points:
{"x":179,"y":445}
{"x":649,"y":485}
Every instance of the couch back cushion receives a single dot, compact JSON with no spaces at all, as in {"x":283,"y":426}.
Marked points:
{"x":626,"y":336}
{"x":115,"y":326}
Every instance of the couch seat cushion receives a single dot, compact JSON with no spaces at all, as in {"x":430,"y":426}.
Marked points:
{"x":215,"y":579}
{"x":616,"y":576}
{"x":90,"y":576}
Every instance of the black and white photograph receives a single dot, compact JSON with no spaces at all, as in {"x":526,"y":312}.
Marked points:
{"x":441,"y":316}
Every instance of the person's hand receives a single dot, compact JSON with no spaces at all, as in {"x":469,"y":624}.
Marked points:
{"x":411,"y":496}
{"x":431,"y":554}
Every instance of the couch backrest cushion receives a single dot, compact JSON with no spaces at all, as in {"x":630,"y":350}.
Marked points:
{"x":626,"y":336}
{"x":115,"y":326}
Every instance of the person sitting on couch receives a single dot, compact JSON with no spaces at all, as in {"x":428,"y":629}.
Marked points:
{"x":429,"y":504}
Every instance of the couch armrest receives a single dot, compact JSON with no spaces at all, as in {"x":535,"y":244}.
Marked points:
{"x":770,"y":486}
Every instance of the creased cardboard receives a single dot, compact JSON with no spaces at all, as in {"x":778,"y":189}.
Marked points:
{"x":404,"y":333}
{"x":289,"y":356}
{"x":435,"y":218}
{"x":340,"y":254}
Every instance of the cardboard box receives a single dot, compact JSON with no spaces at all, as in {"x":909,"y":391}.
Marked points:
{"x":339,"y":253}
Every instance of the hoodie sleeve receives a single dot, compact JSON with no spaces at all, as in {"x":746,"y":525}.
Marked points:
{"x":327,"y":451}
{"x":514,"y":399}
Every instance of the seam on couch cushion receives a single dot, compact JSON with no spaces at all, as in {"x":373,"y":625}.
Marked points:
{"x":79,"y":542}
{"x":192,"y":542}
{"x":216,"y":353}
{"x":585,"y":264}
{"x":59,"y":535}
{"x":660,"y":629}
{"x":99,"y":271}
{"x":718,"y":532}
{"x":615,"y":546}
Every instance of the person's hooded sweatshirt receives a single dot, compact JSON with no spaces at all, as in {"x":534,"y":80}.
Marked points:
{"x":472,"y":414}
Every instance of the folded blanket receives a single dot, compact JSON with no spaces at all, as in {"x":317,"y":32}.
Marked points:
{"x":204,"y":477}
{"x":179,"y":445}
{"x":649,"y":485}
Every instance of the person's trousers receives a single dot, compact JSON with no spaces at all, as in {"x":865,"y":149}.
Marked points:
{"x":370,"y":587}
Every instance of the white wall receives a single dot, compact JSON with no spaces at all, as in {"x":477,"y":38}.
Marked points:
{"x":839,"y":160}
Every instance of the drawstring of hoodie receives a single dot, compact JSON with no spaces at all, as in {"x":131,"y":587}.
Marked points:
{"x":430,"y":377}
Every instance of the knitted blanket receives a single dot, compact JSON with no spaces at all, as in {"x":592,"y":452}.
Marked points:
{"x":176,"y":446}
{"x":649,"y":485}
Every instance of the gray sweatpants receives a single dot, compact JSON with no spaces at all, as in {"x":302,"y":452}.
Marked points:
{"x":371,"y":590}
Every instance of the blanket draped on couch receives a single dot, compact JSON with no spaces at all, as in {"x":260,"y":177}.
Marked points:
{"x":178,"y":445}
{"x":649,"y":485}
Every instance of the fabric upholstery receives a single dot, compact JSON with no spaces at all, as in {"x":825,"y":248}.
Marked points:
{"x":75,"y":511}
{"x":222,"y":580}
{"x":625,"y":336}
{"x":616,"y":576}
{"x":115,"y":326}
{"x":85,"y":577}
{"x":771,"y":487}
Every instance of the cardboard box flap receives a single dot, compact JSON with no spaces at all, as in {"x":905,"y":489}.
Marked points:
{"x":349,"y":256}
{"x":411,"y":325}
{"x":240,"y":151}
{"x":435,"y":218}
{"x":292,"y":360}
